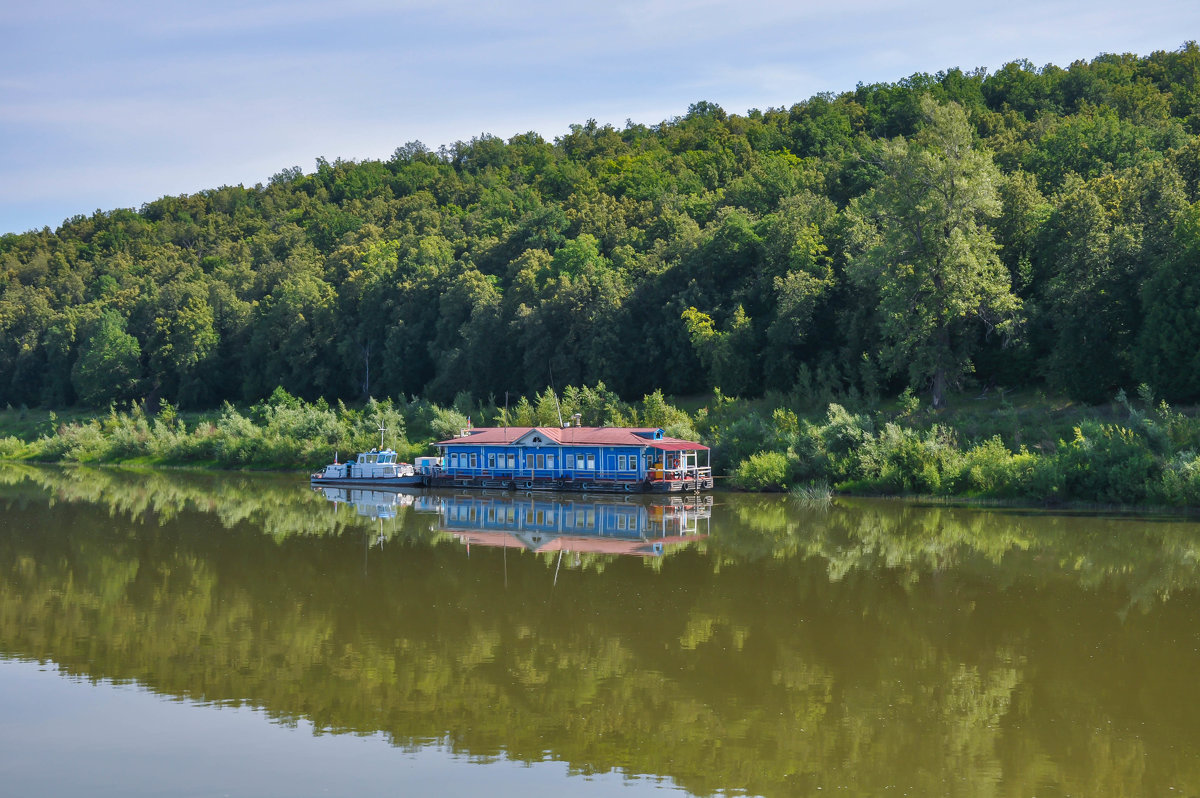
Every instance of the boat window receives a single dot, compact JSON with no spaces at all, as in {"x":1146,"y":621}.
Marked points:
{"x":541,"y":461}
{"x":473,"y":461}
{"x":549,"y":461}
{"x":491,"y":460}
{"x":591,"y":462}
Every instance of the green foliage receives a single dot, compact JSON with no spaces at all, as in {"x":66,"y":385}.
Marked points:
{"x":762,"y":471}
{"x":1168,"y":348}
{"x":921,"y":242}
{"x":851,"y":244}
{"x":109,"y":366}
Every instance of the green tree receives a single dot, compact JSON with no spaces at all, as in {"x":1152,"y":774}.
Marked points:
{"x":1168,"y":350}
{"x":183,"y":339}
{"x":109,"y":366}
{"x":921,"y":241}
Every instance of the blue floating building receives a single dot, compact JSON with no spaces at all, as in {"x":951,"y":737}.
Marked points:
{"x":609,"y":459}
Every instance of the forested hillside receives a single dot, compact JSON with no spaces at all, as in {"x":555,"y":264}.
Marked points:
{"x":1035,"y":226}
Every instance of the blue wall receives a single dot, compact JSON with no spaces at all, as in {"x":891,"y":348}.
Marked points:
{"x":621,"y":462}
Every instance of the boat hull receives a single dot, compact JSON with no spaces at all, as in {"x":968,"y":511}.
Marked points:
{"x":413,"y":481}
{"x":573,"y":485}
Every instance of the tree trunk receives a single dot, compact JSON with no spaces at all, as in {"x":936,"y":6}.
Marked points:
{"x":939,"y":389}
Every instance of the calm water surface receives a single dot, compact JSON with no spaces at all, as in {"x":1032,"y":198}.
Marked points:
{"x":175,"y":634}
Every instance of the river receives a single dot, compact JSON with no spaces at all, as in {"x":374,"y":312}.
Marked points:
{"x":180,"y":634}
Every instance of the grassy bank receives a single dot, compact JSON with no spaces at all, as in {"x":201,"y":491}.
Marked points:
{"x":1024,"y":448}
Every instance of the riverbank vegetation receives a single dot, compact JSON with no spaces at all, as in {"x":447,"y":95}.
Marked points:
{"x":1131,"y":451}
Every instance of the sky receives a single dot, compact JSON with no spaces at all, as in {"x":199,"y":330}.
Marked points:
{"x":107,"y":105}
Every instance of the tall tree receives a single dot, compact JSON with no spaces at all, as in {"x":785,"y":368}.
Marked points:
{"x":1168,"y":351}
{"x":109,"y":365}
{"x":919,"y":238}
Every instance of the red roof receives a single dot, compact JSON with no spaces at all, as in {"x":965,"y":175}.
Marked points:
{"x":577,"y":436}
{"x":676,"y":445}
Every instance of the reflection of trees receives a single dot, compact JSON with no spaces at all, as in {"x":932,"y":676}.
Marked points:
{"x":932,"y":664}
{"x":1148,"y":559}
{"x":276,"y":505}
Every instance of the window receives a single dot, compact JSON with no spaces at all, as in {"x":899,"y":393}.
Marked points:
{"x":591,"y":462}
{"x":473,"y":461}
{"x":541,"y":461}
{"x":512,"y":461}
{"x":579,"y":461}
{"x":454,"y":460}
{"x":529,"y":461}
{"x":549,"y":461}
{"x":491,"y":459}
{"x":621,"y":463}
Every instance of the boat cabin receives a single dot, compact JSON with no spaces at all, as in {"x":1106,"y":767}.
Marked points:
{"x":373,"y":465}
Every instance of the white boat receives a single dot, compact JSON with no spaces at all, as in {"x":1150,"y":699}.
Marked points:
{"x":376,"y":468}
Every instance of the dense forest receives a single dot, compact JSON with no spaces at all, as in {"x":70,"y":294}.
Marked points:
{"x":1032,"y":227}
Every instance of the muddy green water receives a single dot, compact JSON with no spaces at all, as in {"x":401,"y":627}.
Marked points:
{"x":178,"y":634}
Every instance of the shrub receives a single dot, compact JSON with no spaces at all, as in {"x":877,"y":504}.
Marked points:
{"x":762,"y":471}
{"x":11,"y":448}
{"x":987,"y":469}
{"x":1107,"y":463}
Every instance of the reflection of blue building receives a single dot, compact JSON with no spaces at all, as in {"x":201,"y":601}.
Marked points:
{"x":540,"y":523}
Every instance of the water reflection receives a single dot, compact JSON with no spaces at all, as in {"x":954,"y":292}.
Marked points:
{"x":875,"y":647}
{"x":370,"y":503}
{"x":641,"y":526}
